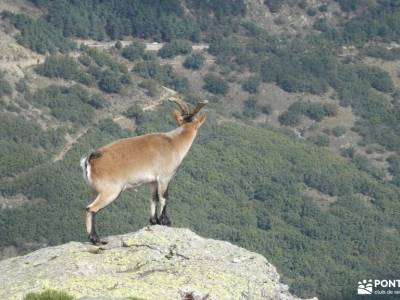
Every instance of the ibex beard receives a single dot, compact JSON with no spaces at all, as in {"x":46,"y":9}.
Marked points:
{"x":128,"y":163}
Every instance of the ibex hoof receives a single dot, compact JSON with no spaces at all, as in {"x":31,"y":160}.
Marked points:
{"x":153,"y":221}
{"x":95,"y":240}
{"x":165,"y":221}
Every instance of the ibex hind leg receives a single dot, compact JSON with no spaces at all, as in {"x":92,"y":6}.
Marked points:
{"x":163,"y":197}
{"x":101,"y":201}
{"x":153,"y":203}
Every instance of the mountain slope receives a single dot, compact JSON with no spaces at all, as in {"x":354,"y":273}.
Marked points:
{"x":255,"y":182}
{"x":299,"y":159}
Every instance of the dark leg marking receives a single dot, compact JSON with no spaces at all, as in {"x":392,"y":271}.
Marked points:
{"x":164,"y":220}
{"x":153,"y":219}
{"x":93,"y":236}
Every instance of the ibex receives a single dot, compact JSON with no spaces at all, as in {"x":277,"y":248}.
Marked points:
{"x":151,"y":158}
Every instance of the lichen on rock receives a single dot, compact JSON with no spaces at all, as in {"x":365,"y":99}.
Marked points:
{"x":156,"y":262}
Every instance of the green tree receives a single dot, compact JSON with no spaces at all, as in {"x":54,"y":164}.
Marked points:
{"x":5,"y":86}
{"x":215,"y":84}
{"x":251,"y":84}
{"x":289,"y":118}
{"x":174,"y":48}
{"x":110,"y":82}
{"x":134,"y":51}
{"x":194,"y":62}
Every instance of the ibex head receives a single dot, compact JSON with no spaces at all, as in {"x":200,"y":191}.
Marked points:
{"x":184,"y":116}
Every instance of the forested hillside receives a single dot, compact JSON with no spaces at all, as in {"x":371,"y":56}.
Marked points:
{"x":299,"y":159}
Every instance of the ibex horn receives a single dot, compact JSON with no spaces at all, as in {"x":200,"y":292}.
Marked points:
{"x":198,"y":107}
{"x":183,"y":107}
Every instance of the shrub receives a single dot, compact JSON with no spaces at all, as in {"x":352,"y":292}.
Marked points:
{"x":85,"y":60}
{"x":251,"y":84}
{"x":110,"y":82}
{"x":48,"y":295}
{"x":289,"y":118}
{"x":194,"y":62}
{"x":338,"y":131}
{"x":150,"y":86}
{"x":394,"y":168}
{"x":134,"y":51}
{"x":66,"y":103}
{"x":97,"y":102}
{"x":266,"y":109}
{"x":330,"y":109}
{"x":5,"y":86}
{"x":118,"y":45}
{"x":273,"y":5}
{"x":321,"y":25}
{"x":348,"y":152}
{"x":13,"y":108}
{"x":39,"y":35}
{"x":311,"y":12}
{"x":174,"y":48}
{"x":320,"y":140}
{"x":251,"y":109}
{"x":377,"y":78}
{"x":21,"y":86}
{"x":381,"y":52}
{"x":133,"y":111}
{"x":57,"y":66}
{"x":314,"y":110}
{"x":163,"y":74}
{"x":215,"y":84}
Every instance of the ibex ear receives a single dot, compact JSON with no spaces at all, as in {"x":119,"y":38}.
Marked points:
{"x":200,"y":119}
{"x":178,"y":117}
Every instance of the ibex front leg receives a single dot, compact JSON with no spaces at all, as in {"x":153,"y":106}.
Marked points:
{"x":162,"y":217}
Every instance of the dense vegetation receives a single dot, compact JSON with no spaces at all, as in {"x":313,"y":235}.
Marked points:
{"x":312,"y":65}
{"x":314,"y":110}
{"x":163,"y":74}
{"x":194,"y":62}
{"x":24,"y":144}
{"x":174,"y":48}
{"x":134,"y":51}
{"x":98,"y":19}
{"x":72,"y":104}
{"x":38,"y":34}
{"x":216,"y":85}
{"x":64,"y":67}
{"x":252,"y":186}
{"x":97,"y":67}
{"x":258,"y":204}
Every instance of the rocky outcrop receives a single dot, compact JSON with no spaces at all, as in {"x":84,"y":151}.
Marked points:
{"x":156,"y":262}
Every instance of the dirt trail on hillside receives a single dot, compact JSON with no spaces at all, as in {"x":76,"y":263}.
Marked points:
{"x":16,"y":66}
{"x":71,"y":140}
{"x":167,"y":92}
{"x":23,"y":63}
{"x":149,"y":46}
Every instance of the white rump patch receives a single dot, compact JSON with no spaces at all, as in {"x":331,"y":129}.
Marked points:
{"x":85,"y":168}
